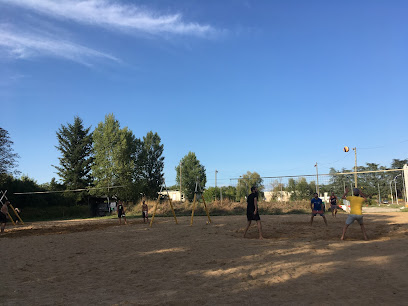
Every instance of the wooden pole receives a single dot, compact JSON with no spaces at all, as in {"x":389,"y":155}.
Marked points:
{"x":206,"y":210}
{"x":15,"y":212}
{"x":355,"y":167}
{"x":158,"y":200}
{"x":192,"y":211}
{"x":154,"y":210}
{"x":11,"y":219}
{"x":171,"y":205}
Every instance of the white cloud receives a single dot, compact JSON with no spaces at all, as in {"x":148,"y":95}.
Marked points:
{"x":110,"y":14}
{"x":25,"y":45}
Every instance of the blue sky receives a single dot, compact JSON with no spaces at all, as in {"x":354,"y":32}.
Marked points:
{"x":265,"y":86}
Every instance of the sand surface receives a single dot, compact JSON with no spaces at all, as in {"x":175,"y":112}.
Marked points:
{"x":99,"y":262}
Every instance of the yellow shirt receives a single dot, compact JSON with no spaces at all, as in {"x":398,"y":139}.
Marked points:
{"x":355,"y":205}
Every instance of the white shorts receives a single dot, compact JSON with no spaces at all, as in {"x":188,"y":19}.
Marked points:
{"x":352,"y":218}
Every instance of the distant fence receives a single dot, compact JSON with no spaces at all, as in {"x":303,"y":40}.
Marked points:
{"x":389,"y":186}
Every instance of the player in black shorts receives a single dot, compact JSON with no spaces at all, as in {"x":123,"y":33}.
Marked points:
{"x":145,"y":212}
{"x":333,"y":204}
{"x":252,"y":211}
{"x":121,"y":212}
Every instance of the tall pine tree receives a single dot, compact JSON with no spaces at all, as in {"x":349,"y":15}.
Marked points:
{"x":75,"y":145}
{"x":152,"y":164}
{"x":8,"y":159}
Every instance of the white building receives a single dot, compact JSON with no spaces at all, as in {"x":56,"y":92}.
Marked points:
{"x":174,"y":195}
{"x":284,"y":196}
{"x":279,"y":196}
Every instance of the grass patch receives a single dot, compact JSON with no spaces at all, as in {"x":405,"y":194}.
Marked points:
{"x":217,"y":208}
{"x":134,"y":211}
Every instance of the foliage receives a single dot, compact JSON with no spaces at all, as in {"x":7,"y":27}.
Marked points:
{"x":26,"y":184}
{"x":398,"y":163}
{"x":152,"y":165}
{"x":339,"y":182}
{"x":75,"y":146}
{"x":374,"y":184}
{"x":245,"y":183}
{"x":8,"y":159}
{"x":277,"y":186}
{"x":300,"y":189}
{"x":227,"y":193}
{"x":211,"y":194}
{"x":191,"y":171}
{"x":116,"y":155}
{"x":30,"y":214}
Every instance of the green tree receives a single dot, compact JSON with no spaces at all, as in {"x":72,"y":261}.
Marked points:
{"x":211,"y":194}
{"x":396,"y":177}
{"x":75,"y":146}
{"x":398,"y":163}
{"x":214,"y":193}
{"x":372,"y":182}
{"x":245,"y":183}
{"x":116,"y":155}
{"x":152,"y":164}
{"x":191,"y":171}
{"x":229,"y":192}
{"x":300,"y":189}
{"x":24,"y":184}
{"x":305,"y":189}
{"x":339,"y":181}
{"x":8,"y":159}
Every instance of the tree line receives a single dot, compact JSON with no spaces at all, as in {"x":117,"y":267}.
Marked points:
{"x":112,"y":161}
{"x":108,"y":161}
{"x":375,"y":185}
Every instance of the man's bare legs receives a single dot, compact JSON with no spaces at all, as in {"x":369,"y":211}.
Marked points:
{"x":344,"y":231}
{"x":362,"y":229}
{"x":247,"y":227}
{"x":259,"y":224}
{"x":324,"y":218}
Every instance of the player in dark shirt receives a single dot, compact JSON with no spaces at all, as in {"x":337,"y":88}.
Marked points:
{"x":121,"y":212}
{"x":333,"y":204}
{"x":252,"y":211}
{"x":316,"y":204}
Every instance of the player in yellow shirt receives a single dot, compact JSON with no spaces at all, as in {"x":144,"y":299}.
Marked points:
{"x":356,"y":203}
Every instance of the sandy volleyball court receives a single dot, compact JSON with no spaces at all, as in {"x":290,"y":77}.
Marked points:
{"x":98,"y":262}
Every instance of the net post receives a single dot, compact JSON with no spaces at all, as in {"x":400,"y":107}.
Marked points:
{"x":192,"y":211}
{"x":154,"y":210}
{"x":17,"y":215}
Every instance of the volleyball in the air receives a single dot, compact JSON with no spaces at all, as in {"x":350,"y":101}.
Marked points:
{"x":346,"y":149}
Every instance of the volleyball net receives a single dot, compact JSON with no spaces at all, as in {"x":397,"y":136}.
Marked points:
{"x":382,"y":186}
